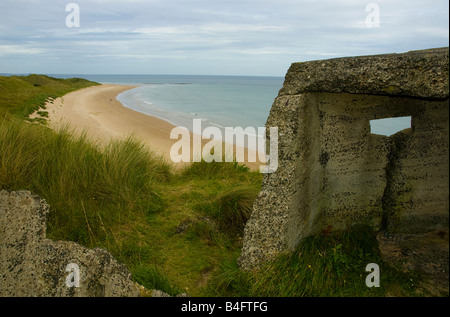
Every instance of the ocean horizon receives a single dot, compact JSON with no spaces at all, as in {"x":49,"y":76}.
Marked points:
{"x":218,"y":100}
{"x":222,"y":101}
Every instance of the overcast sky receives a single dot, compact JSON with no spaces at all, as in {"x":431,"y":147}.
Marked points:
{"x":211,"y":37}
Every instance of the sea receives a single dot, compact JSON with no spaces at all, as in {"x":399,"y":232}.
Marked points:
{"x":220,"y":101}
{"x":217,"y":101}
{"x":223,"y":101}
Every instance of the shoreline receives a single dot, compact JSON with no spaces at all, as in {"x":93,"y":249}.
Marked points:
{"x":96,"y":111}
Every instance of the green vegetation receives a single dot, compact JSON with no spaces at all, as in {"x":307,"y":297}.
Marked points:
{"x":325,"y":265}
{"x":22,"y":95}
{"x":177,"y":231}
{"x":129,"y":201}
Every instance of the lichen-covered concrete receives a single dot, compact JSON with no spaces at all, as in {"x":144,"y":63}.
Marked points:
{"x":33,"y":266}
{"x":333,"y":173}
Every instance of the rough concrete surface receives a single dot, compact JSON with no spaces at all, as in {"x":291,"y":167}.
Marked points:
{"x":33,"y":266}
{"x":334,"y":173}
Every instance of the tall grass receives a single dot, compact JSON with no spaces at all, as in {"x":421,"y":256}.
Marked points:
{"x":151,"y":278}
{"x":321,"y":266}
{"x":234,"y":208}
{"x":232,"y":191}
{"x":88,"y":188}
{"x":213,"y":170}
{"x":120,"y":197}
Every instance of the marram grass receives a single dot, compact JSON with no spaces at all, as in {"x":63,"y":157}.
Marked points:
{"x":126,"y":199}
{"x":327,"y":265}
{"x":86,"y":186}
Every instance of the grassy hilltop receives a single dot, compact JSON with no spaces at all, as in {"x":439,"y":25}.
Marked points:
{"x":178,"y":231}
{"x":22,"y":95}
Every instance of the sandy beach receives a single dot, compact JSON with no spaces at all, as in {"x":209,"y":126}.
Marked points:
{"x":96,"y":111}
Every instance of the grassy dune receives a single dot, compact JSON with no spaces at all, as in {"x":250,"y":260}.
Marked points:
{"x":22,"y":95}
{"x":129,"y":201}
{"x":178,"y":231}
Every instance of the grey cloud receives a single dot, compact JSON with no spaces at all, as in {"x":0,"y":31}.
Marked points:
{"x":253,"y":37}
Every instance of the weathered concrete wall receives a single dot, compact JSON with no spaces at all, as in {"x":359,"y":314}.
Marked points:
{"x":31,"y":265}
{"x":334,"y":172}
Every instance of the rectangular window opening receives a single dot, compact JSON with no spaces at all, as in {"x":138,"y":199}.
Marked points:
{"x":389,"y":126}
